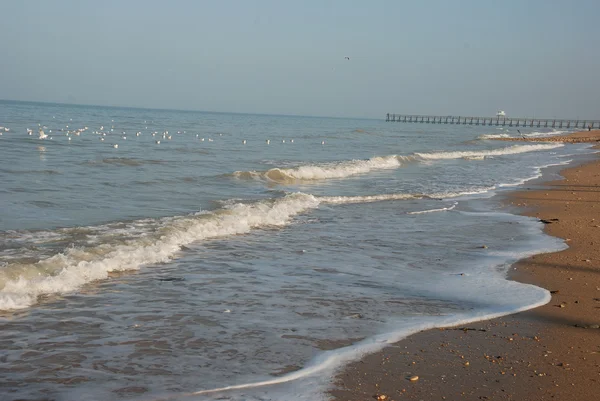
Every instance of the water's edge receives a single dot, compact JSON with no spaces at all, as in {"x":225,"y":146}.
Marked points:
{"x":319,"y":375}
{"x":549,"y":174}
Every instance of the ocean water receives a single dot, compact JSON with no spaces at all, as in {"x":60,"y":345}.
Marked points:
{"x":245,"y":257}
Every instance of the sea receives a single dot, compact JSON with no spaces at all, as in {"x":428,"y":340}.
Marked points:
{"x":186,"y":255}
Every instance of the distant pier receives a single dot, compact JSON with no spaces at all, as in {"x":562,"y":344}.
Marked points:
{"x":501,"y":121}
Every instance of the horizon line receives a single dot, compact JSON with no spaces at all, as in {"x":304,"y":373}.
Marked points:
{"x":183,"y":110}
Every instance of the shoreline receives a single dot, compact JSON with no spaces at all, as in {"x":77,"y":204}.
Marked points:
{"x":551,"y":352}
{"x":592,"y":136}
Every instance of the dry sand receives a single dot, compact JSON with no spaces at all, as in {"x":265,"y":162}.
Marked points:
{"x":548,"y":353}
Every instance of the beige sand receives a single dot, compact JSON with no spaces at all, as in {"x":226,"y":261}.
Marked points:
{"x":549,"y":353}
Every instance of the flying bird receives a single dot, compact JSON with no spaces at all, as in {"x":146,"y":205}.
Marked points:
{"x":347,"y":58}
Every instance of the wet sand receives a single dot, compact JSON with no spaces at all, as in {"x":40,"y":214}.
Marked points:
{"x":548,"y":353}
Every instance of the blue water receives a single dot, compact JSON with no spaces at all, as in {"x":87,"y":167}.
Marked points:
{"x":244,"y":247}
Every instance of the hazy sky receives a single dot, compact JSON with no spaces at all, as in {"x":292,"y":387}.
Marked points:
{"x":529,"y":58}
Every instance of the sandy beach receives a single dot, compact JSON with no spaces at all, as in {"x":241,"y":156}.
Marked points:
{"x":548,"y":353}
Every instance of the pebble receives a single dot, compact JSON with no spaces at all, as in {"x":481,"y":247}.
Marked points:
{"x":413,"y":378}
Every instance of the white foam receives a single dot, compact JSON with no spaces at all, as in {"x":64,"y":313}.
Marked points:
{"x":326,"y":170}
{"x":537,"y":174}
{"x":343,"y":200}
{"x":493,"y":136}
{"x":511,"y":150}
{"x":340,"y":200}
{"x":448,"y":194}
{"x":68,"y":271}
{"x":443,"y":209}
{"x":536,"y":134}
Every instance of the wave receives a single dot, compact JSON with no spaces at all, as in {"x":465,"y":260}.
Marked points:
{"x":92,"y":253}
{"x":312,"y":172}
{"x":511,"y":150}
{"x":343,"y":169}
{"x":22,"y":283}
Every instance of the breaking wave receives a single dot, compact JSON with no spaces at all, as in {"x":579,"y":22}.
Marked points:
{"x":343,"y":169}
{"x":326,"y":170}
{"x":21,"y":283}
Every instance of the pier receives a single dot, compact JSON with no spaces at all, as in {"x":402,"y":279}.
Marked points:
{"x":502,"y":121}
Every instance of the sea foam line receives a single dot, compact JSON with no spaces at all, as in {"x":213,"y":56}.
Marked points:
{"x":443,"y":209}
{"x":534,"y":134}
{"x":511,"y":150}
{"x":343,"y":200}
{"x":538,"y":173}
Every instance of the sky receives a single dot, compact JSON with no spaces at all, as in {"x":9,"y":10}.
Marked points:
{"x":534,"y":58}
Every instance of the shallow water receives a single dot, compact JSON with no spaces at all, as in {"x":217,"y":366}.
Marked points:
{"x":152,"y":269}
